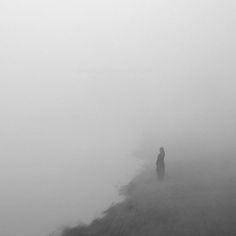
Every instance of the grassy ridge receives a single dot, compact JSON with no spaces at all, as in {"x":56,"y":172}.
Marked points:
{"x":193,"y":200}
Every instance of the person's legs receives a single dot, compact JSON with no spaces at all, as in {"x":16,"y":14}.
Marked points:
{"x":160,"y":171}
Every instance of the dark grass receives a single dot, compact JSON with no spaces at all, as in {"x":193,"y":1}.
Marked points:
{"x":194,"y":200}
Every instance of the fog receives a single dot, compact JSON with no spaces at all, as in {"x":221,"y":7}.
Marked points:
{"x":85,"y":84}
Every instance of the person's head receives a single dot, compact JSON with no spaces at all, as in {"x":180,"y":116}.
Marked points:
{"x":161,"y":149}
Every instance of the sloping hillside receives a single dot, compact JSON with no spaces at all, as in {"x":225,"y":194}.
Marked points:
{"x":194,"y":199}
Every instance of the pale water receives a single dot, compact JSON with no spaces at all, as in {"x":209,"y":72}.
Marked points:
{"x":39,"y":196}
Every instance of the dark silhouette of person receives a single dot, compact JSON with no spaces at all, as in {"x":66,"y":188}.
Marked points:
{"x":160,"y":164}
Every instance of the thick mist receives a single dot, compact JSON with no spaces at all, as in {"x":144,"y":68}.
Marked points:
{"x":86,"y":84}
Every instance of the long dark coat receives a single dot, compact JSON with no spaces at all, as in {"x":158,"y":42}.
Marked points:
{"x":160,"y":165}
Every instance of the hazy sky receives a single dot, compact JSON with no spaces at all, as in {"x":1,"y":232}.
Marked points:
{"x":83,"y":83}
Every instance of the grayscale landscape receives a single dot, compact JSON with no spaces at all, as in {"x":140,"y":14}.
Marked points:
{"x":90,"y":91}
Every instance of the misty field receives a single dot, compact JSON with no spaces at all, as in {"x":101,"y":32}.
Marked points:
{"x":195,"y":199}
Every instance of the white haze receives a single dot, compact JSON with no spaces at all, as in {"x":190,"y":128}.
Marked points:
{"x":85,"y":83}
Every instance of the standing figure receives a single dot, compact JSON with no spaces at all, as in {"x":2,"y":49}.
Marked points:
{"x":160,"y":164}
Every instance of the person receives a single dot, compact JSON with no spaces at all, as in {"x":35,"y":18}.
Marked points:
{"x":160,"y":164}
